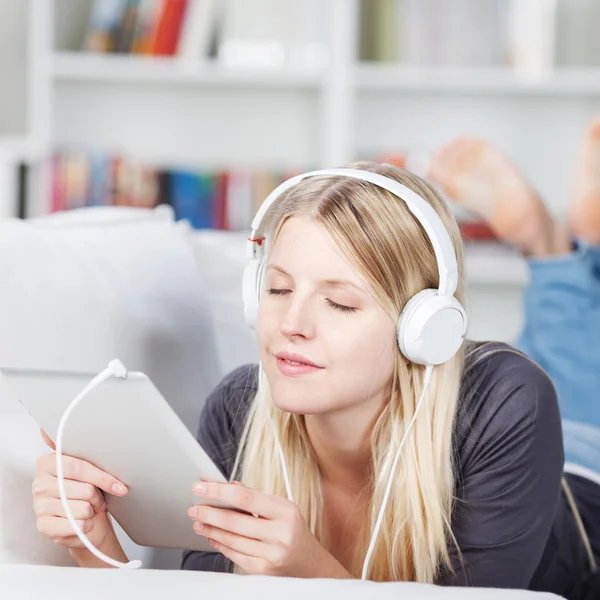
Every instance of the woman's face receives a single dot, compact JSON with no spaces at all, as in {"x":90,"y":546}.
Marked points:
{"x":325,"y":343}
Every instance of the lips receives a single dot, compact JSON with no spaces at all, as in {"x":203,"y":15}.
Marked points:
{"x":296,"y":359}
{"x":295,"y":365}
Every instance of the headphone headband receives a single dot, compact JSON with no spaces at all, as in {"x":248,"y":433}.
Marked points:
{"x":421,"y":209}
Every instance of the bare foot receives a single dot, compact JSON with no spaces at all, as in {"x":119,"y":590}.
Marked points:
{"x":584,"y":215}
{"x":482,"y":180}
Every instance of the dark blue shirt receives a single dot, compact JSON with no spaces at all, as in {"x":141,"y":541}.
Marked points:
{"x":511,"y":519}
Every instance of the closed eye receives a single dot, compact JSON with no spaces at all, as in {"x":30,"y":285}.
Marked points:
{"x":340,"y":307}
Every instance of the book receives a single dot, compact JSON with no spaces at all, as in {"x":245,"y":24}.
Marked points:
{"x":224,"y":199}
{"x":123,"y":35}
{"x":169,"y":27}
{"x":239,"y":199}
{"x":220,"y":201}
{"x":105,"y":19}
{"x":100,"y":180}
{"x":22,"y":189}
{"x":148,"y":15}
{"x":192,"y":196}
{"x":196,"y":33}
{"x":56,"y":184}
{"x":532,"y":32}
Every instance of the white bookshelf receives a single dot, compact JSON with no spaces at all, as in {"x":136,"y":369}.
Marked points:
{"x":82,"y":67}
{"x":492,"y":264}
{"x":99,"y":68}
{"x":210,"y":116}
{"x":499,"y":81}
{"x":20,"y":149}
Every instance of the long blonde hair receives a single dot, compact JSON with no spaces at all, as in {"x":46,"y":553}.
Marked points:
{"x":392,"y":251}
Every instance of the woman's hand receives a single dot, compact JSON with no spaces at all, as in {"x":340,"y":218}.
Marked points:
{"x":276,"y":541}
{"x":84,"y":484}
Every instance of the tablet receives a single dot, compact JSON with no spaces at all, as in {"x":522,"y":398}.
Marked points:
{"x":126,"y":428}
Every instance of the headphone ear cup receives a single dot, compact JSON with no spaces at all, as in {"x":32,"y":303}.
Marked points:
{"x":251,"y":285}
{"x":431,"y":328}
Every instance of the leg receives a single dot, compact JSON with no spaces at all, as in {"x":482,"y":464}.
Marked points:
{"x":562,"y":301}
{"x":565,"y":296}
{"x":482,"y":180}
{"x":562,"y":330}
{"x":584,"y":215}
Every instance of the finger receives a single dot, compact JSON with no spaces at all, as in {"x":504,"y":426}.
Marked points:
{"x":241,"y":560}
{"x":47,"y":486}
{"x":81,"y":470}
{"x":47,"y":439}
{"x":235,"y":522}
{"x":69,"y":542}
{"x":58,"y":527}
{"x":242,"y":497}
{"x":238,"y":543}
{"x":53,"y":507}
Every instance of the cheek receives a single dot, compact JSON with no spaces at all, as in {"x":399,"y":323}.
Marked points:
{"x":267,"y":328}
{"x":368,"y":359}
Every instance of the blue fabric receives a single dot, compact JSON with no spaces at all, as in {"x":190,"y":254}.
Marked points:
{"x":562,"y":334}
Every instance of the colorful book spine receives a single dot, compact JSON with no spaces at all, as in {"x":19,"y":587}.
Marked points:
{"x":148,"y":16}
{"x":169,"y":27}
{"x":105,"y":19}
{"x":195,"y":39}
{"x":221,"y":199}
{"x":125,"y":32}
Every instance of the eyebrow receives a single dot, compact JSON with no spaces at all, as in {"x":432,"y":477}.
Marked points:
{"x":331,"y":282}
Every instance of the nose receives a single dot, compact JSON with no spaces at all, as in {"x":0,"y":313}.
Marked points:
{"x":297,"y":320}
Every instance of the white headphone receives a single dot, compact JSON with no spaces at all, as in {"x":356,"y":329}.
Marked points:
{"x":432,"y":325}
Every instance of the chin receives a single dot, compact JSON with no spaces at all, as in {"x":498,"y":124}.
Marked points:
{"x":296,"y":398}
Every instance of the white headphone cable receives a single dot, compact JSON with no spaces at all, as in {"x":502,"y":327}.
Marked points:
{"x":427,"y":378}
{"x":117,"y":369}
{"x":428,"y":371}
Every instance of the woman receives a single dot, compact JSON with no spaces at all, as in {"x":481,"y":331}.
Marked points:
{"x":477,"y":496}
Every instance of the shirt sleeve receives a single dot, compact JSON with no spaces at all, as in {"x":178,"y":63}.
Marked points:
{"x":509,"y":477}
{"x":221,"y":422}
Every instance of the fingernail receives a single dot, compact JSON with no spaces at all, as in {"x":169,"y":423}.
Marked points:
{"x":118,"y":488}
{"x":198,"y":527}
{"x":193,"y":512}
{"x":199,"y":488}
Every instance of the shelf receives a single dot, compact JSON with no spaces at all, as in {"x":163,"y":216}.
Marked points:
{"x":87,"y":67}
{"x":79,"y":66}
{"x":491,"y":263}
{"x":487,"y":263}
{"x":477,"y":80}
{"x":19,"y":149}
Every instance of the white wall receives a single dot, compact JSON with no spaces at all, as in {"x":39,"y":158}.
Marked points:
{"x":13,"y":58}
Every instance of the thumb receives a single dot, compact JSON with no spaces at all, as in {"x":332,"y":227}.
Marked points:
{"x":47,"y":439}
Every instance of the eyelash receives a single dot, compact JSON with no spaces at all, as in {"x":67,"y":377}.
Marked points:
{"x":340,"y":307}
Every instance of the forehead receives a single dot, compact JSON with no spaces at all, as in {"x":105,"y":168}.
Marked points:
{"x":305,"y":246}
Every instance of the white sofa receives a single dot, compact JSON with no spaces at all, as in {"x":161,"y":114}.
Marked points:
{"x":82,"y":288}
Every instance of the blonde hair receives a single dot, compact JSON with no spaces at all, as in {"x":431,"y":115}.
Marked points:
{"x":389,"y":247}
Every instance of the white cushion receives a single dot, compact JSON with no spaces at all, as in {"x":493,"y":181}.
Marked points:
{"x":222,"y":258}
{"x":76,"y":296}
{"x":53,"y":583}
{"x":104,"y":215}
